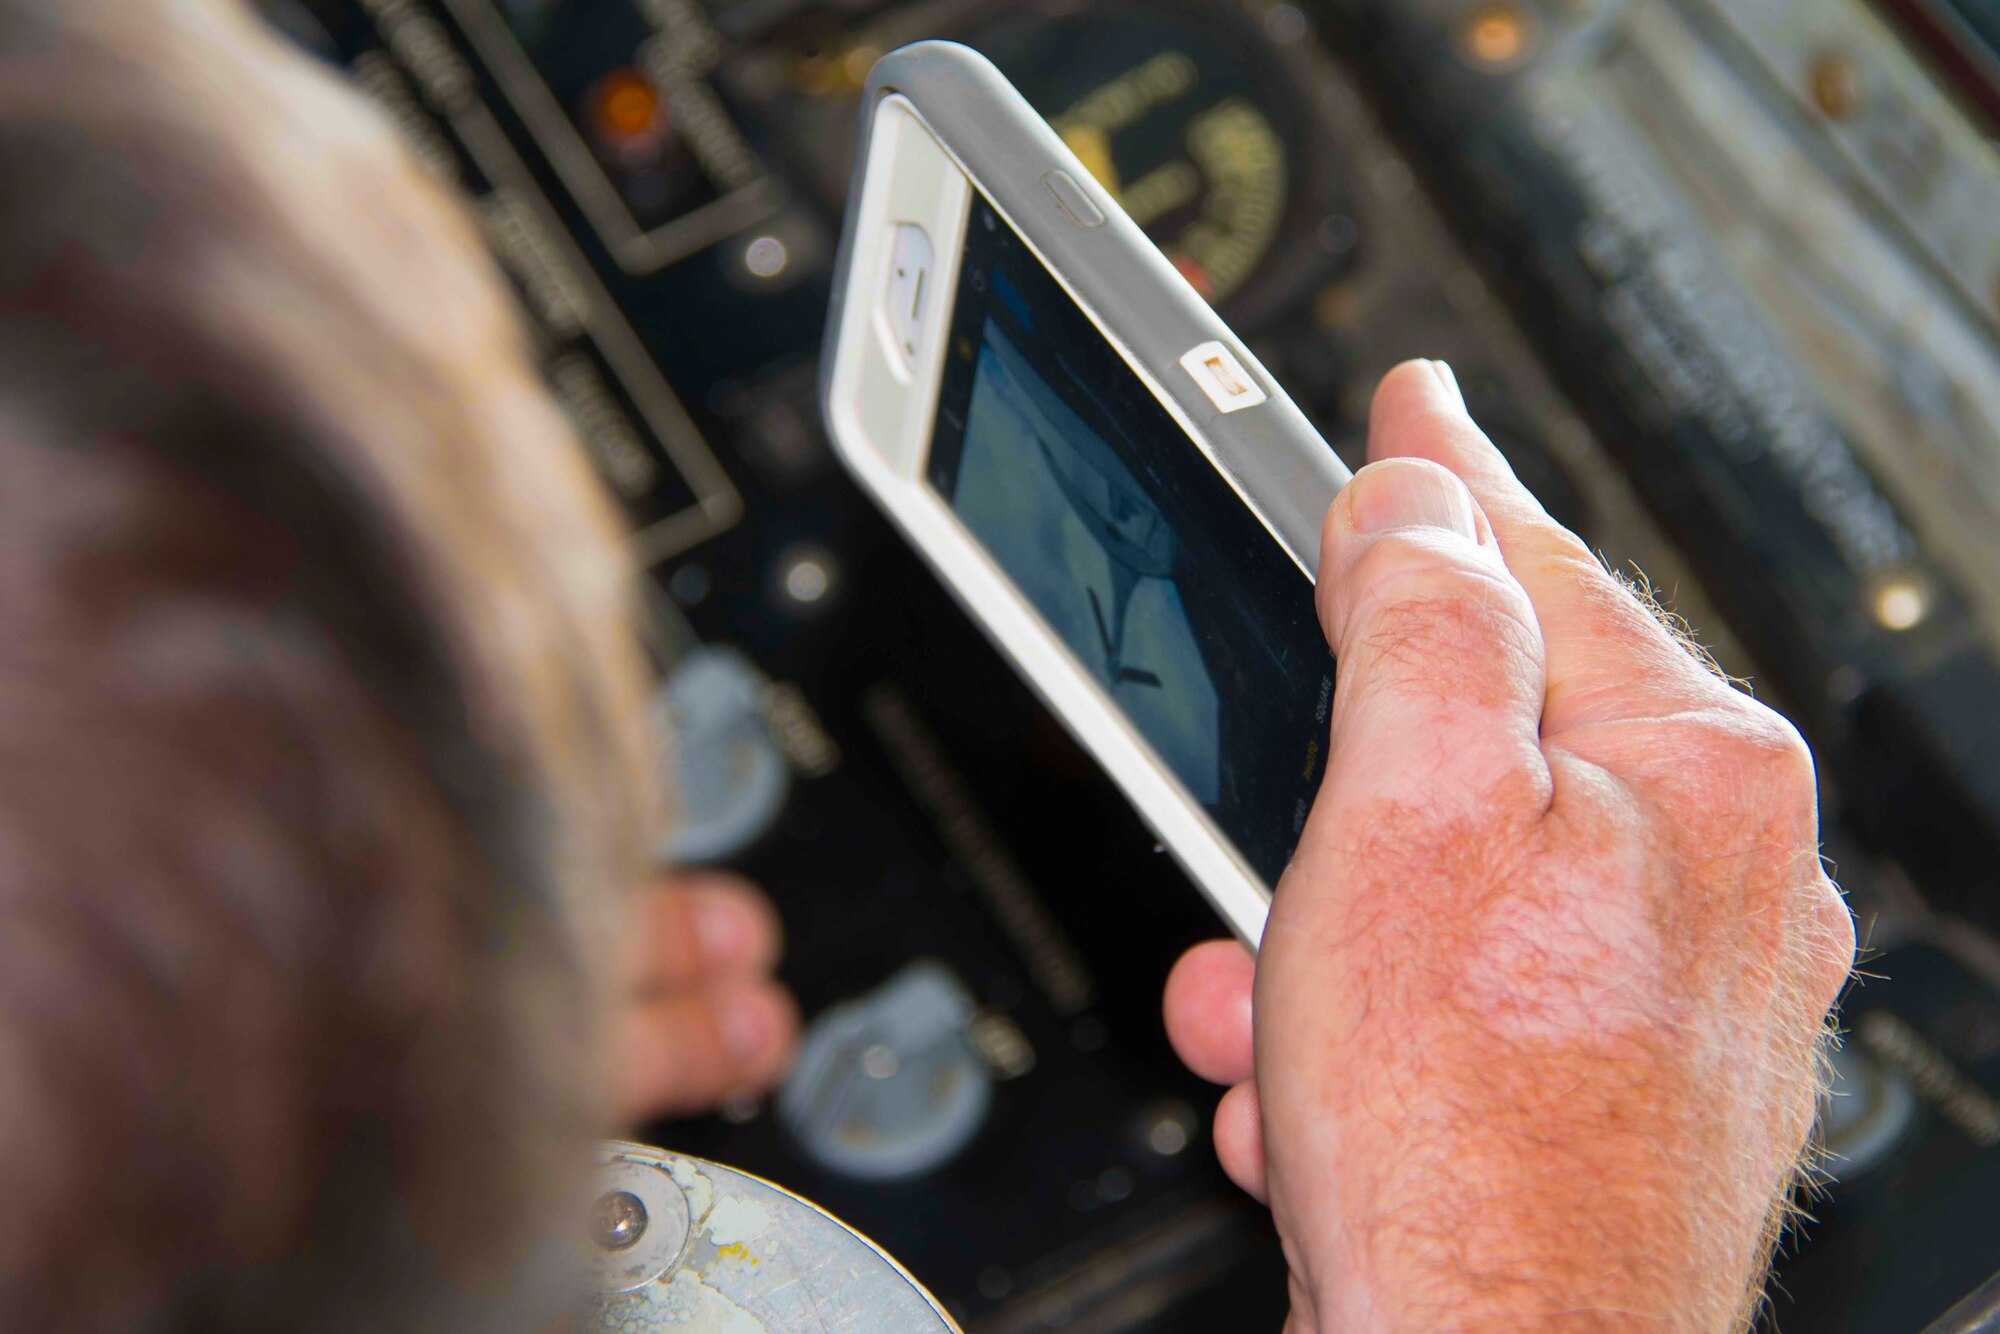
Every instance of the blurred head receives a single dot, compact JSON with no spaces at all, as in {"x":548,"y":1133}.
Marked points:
{"x":319,"y":707}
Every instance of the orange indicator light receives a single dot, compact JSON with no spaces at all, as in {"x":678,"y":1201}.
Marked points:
{"x":627,"y":108}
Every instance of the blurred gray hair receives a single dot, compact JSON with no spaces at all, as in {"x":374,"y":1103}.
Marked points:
{"x":320,"y":720}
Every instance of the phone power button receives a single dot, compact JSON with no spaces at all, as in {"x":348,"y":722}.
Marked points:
{"x":1071,"y":199}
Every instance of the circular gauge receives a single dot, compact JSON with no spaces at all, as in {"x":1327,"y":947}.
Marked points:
{"x":1194,"y":122}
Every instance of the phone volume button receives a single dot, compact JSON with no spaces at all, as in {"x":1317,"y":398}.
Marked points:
{"x":1076,"y":205}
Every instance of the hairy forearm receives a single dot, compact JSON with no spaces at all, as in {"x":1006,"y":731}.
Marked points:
{"x":1496,"y":1185}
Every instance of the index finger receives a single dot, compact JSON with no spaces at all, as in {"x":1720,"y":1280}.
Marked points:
{"x":1608,"y":656}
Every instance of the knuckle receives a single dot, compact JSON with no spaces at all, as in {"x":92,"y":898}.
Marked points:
{"x":1622,"y":610}
{"x":1455,"y":635}
{"x":1742,"y":755}
{"x":1775,"y":756}
{"x":1832,"y":941}
{"x":1422,"y":584}
{"x":1442,"y":635}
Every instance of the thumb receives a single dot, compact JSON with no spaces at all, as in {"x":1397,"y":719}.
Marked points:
{"x":1440,"y":676}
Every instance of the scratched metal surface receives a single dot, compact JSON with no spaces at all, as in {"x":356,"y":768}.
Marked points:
{"x":750,"y":1258}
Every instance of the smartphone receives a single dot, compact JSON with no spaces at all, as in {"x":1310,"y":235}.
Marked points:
{"x":1107,"y":480}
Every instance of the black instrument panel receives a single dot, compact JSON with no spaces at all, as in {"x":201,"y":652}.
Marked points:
{"x":1779,"y":414}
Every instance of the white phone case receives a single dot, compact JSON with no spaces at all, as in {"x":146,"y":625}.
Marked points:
{"x":1202,"y":374}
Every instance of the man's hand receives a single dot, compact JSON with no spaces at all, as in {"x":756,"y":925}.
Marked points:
{"x":1539,"y":1003}
{"x":702,"y":1020}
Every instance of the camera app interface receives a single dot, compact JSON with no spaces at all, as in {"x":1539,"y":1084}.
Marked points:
{"x":1132,"y":547}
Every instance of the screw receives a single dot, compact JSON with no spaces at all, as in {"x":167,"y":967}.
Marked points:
{"x":618,"y":1220}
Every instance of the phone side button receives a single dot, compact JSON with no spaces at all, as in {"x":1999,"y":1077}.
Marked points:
{"x":1071,"y":199}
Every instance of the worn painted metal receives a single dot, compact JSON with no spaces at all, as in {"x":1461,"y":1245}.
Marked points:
{"x":690,"y":1246}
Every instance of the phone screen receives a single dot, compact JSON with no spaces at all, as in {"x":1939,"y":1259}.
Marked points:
{"x":1131,"y":546}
